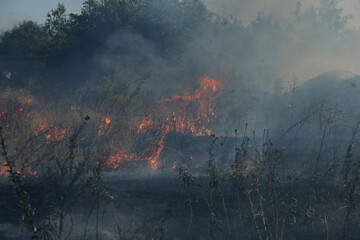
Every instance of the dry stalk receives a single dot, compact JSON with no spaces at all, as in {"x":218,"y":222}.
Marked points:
{"x":28,"y":212}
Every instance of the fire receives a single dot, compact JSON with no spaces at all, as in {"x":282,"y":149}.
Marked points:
{"x":4,"y":169}
{"x":120,"y":158}
{"x":116,"y":160}
{"x":52,"y":133}
{"x":193,"y":110}
{"x":56,"y":134}
{"x":145,"y":124}
{"x":104,"y":125}
{"x":41,"y":126}
{"x":189,"y":113}
{"x":29,"y":172}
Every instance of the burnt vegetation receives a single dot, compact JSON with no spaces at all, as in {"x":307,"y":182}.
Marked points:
{"x":101,"y":137}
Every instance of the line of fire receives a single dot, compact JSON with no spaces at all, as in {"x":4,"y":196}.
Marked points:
{"x":188,"y":114}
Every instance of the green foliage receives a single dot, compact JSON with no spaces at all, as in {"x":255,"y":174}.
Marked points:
{"x":27,"y":211}
{"x":166,"y":22}
{"x":57,"y":28}
{"x":26,"y":39}
{"x":74,"y":39}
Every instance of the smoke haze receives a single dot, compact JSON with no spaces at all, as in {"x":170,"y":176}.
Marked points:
{"x":169,"y":90}
{"x":259,"y":46}
{"x":290,"y":49}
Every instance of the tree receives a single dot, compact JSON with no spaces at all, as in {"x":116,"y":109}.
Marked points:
{"x":57,"y":28}
{"x":330,"y":15}
{"x":26,"y":39}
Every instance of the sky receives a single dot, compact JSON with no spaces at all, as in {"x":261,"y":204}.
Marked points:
{"x":15,"y":11}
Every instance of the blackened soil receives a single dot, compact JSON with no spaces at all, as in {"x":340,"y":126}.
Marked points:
{"x":166,"y":208}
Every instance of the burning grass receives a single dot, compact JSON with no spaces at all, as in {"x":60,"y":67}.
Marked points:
{"x":246,"y":187}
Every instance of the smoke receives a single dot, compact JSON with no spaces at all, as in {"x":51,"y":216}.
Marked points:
{"x":12,"y":231}
{"x":131,"y":55}
{"x":300,"y":45}
{"x":259,"y":53}
{"x":281,"y":10}
{"x":286,"y":40}
{"x":263,"y":56}
{"x":260,"y":46}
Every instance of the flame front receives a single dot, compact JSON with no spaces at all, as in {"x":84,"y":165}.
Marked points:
{"x":189,"y":113}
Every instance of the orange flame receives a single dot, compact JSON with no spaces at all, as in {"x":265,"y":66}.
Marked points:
{"x":116,"y":160}
{"x":56,"y":134}
{"x":189,"y":113}
{"x":104,"y":125}
{"x":4,"y":169}
{"x":192,"y":109}
{"x":41,"y":126}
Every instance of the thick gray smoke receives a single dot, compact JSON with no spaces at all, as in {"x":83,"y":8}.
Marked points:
{"x":288,"y":39}
{"x":265,"y":54}
{"x":262,"y":47}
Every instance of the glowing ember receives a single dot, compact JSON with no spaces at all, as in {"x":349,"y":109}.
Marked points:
{"x":29,"y":172}
{"x":28,"y":101}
